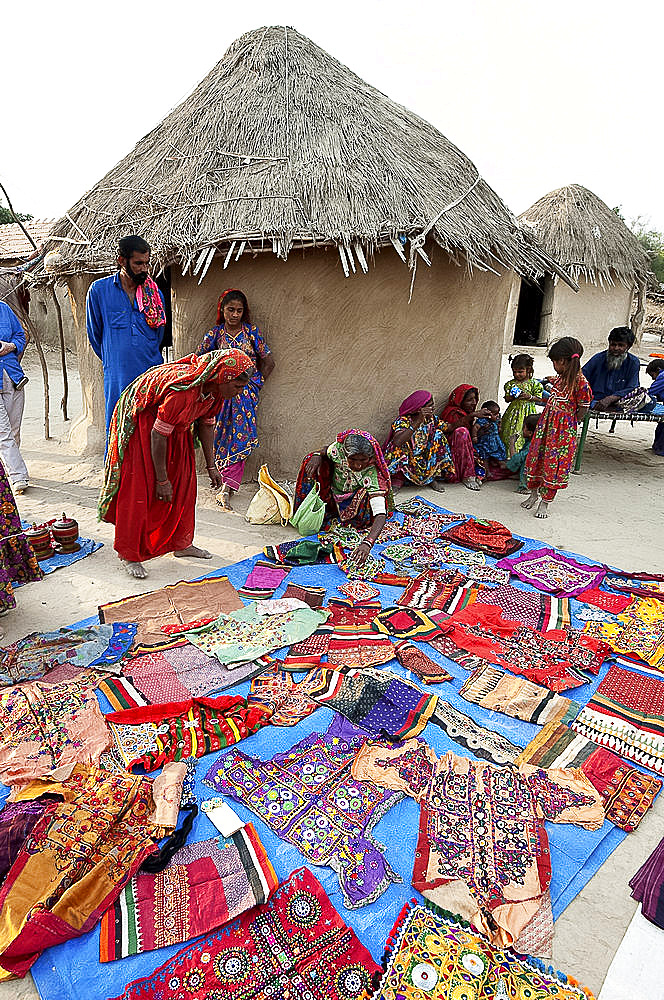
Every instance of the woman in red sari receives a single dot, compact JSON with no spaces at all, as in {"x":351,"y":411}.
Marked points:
{"x":149,"y":489}
{"x":460,"y":414}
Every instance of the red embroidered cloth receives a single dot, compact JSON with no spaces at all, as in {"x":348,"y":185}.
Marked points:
{"x":490,"y":537}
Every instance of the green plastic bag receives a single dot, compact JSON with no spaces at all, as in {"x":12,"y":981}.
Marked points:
{"x":309,"y":516}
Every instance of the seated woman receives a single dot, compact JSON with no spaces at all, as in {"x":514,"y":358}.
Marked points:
{"x":149,"y":490}
{"x":354,"y":483}
{"x":417,"y":449}
{"x":460,"y":414}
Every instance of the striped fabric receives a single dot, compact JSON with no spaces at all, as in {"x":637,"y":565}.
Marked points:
{"x":205,"y":886}
{"x":497,"y":691}
{"x":121,"y":694}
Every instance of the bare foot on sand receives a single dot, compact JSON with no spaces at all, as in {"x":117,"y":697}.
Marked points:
{"x":438,"y":486}
{"x":531,"y":501}
{"x":193,"y":552}
{"x":472,"y":483}
{"x":223,"y":498}
{"x":543,"y":509}
{"x":135,"y":569}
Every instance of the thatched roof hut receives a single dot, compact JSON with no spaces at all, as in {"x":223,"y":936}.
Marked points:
{"x":597,"y":249}
{"x":281,"y":148}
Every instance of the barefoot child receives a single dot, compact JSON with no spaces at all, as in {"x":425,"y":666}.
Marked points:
{"x":524,"y":394}
{"x":517,"y":462}
{"x":553,"y":446}
{"x":488,"y":445}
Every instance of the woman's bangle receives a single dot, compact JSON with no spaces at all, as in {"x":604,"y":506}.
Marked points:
{"x":161,"y":482}
{"x":211,"y":468}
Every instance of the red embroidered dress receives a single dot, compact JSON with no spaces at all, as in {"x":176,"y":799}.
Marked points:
{"x":553,"y":445}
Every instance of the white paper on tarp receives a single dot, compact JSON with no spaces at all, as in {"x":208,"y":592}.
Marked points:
{"x":637,"y":969}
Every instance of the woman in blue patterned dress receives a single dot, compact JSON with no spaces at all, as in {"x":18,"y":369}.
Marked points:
{"x":235,"y":432}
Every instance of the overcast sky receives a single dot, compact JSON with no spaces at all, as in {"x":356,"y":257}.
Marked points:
{"x":537,"y":95}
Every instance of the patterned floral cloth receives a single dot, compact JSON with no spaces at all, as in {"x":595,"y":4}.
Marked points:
{"x":18,"y":562}
{"x":308,"y":798}
{"x":613,"y":603}
{"x":435,"y":956}
{"x":425,"y":456}
{"x":521,"y":699}
{"x":553,"y":444}
{"x":296,"y":945}
{"x":205,"y":886}
{"x":511,"y":424}
{"x":289,"y":702}
{"x":235,"y":434}
{"x":637,"y":632}
{"x":40,"y":653}
{"x":251,"y":632}
{"x":74,"y":863}
{"x":551,"y":571}
{"x":483,"y":847}
{"x":626,"y":713}
{"x":184,"y":672}
{"x":45,"y":726}
{"x":627,"y":793}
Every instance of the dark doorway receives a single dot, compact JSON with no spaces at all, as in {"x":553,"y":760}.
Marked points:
{"x":164,"y":284}
{"x":529,"y":314}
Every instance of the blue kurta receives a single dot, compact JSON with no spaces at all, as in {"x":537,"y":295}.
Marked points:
{"x":120,"y":336}
{"x":611,"y":383}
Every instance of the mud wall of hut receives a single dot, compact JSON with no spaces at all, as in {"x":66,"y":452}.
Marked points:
{"x":348,"y":350}
{"x":589,"y":314}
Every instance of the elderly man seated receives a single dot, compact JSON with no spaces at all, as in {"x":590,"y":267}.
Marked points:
{"x":613,"y":373}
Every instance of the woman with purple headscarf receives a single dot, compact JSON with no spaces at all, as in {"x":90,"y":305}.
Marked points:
{"x":417,"y":448}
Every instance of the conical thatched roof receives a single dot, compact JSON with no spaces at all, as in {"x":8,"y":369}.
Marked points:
{"x":586,"y":237}
{"x":282,"y":146}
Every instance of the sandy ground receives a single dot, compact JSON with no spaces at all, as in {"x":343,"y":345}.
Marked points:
{"x":612,"y":512}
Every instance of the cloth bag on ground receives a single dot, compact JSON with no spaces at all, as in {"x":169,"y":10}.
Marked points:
{"x":271,"y":504}
{"x":309,"y":516}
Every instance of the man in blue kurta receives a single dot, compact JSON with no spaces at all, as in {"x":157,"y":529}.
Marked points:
{"x":125,"y":319}
{"x":613,"y":373}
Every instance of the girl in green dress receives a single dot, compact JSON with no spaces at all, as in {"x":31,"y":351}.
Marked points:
{"x":524,"y":394}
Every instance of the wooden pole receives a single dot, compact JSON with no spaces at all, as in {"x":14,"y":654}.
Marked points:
{"x":63,"y":354}
{"x":42,"y":360}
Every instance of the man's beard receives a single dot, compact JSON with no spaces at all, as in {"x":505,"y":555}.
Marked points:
{"x":614,"y":361}
{"x":140,"y":278}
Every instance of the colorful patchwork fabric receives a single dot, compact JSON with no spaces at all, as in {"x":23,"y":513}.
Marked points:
{"x":313,"y":596}
{"x":637,"y":632}
{"x":558,"y":659}
{"x":481,"y":742}
{"x":358,"y":591}
{"x":308,"y":798}
{"x":490,"y":537}
{"x":532,"y":609}
{"x":294,"y":946}
{"x":289,"y":702}
{"x":186,"y":672}
{"x":482,"y":844}
{"x":413,"y":659}
{"x":626,"y":792}
{"x":347,"y":639}
{"x":41,"y":652}
{"x":431,"y":589}
{"x":378,"y":701}
{"x":205,"y":886}
{"x":497,"y":691}
{"x":46,"y":726}
{"x":263,"y":580}
{"x":626,"y":713}
{"x":75,"y":862}
{"x":249,"y":633}
{"x":546,"y":569}
{"x":406,"y":623}
{"x":613,"y":603}
{"x":433,"y":955}
{"x":191,"y":728}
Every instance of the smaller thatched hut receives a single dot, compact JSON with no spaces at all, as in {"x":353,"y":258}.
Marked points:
{"x":597,"y":249}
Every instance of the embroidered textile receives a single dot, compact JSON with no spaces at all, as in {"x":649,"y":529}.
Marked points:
{"x":289,"y":702}
{"x":405,"y":623}
{"x":296,"y":945}
{"x":557,"y":659}
{"x":432,"y":955}
{"x":423,"y":555}
{"x":299,"y":552}
{"x":431,"y":589}
{"x":263,"y":580}
{"x":308,"y":798}
{"x":626,"y":713}
{"x":120,"y":693}
{"x":521,"y":699}
{"x":487,"y":574}
{"x":648,"y":886}
{"x":313,"y":596}
{"x":481,"y":742}
{"x":18,"y":562}
{"x":45,"y":726}
{"x":205,"y":886}
{"x":186,"y":672}
{"x":637,"y":584}
{"x":490,"y":537}
{"x":175,"y":604}
{"x":74,"y":863}
{"x":247,"y":634}
{"x":370,"y":569}
{"x":40,"y":652}
{"x":594,"y":615}
{"x":167,"y":798}
{"x":378,"y":701}
{"x":482,"y":843}
{"x":16,"y":821}
{"x":358,"y":591}
{"x":626,"y":792}
{"x":637,"y":632}
{"x":537,"y":611}
{"x":546,"y":569}
{"x":348,"y":639}
{"x":131,"y":743}
{"x":613,"y":603}
{"x":443,"y":644}
{"x":191,"y":728}
{"x":413,"y":659}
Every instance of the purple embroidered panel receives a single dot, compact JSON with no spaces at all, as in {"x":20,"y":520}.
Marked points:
{"x":308,"y":798}
{"x":546,"y":569}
